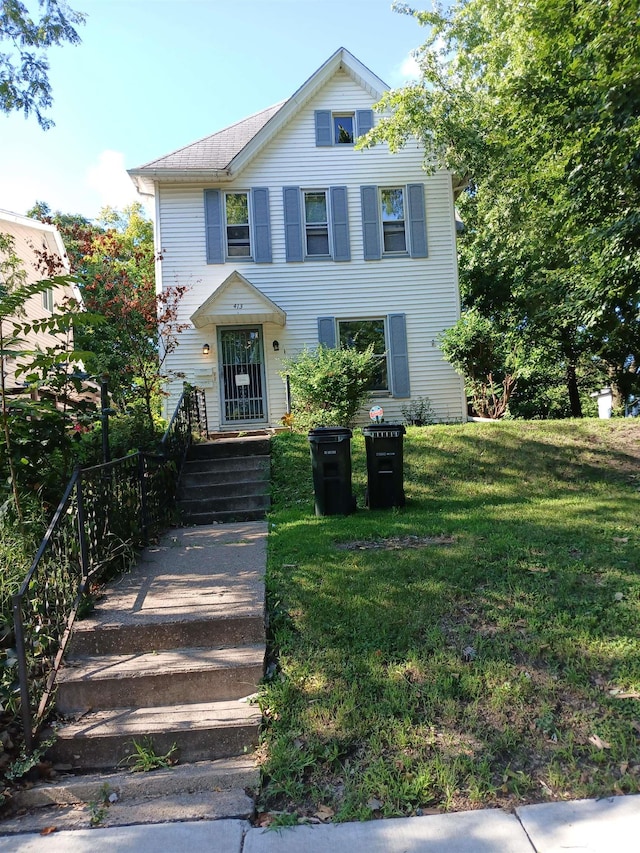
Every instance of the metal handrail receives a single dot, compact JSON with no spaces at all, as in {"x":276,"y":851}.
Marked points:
{"x":92,"y":529}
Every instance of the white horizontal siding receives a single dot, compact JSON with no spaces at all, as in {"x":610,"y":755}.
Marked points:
{"x":424,"y":289}
{"x":26,"y":241}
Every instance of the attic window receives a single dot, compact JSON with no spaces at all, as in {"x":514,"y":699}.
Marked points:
{"x":343,"y":131}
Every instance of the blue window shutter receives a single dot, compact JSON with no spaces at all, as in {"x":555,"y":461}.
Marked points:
{"x":292,"y":223}
{"x":370,"y":223}
{"x":398,"y":355}
{"x":340,"y":224}
{"x":323,"y":127}
{"x":327,"y":331}
{"x":364,"y":121}
{"x":261,"y":225}
{"x":417,"y":221}
{"x":213,"y":226}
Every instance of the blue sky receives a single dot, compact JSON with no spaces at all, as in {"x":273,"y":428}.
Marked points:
{"x":153,"y":75}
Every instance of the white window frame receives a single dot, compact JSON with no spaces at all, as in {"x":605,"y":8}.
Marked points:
{"x":314,"y":226}
{"x":227,"y":226}
{"x":384,"y":355}
{"x":47,"y":300}
{"x":335,"y":116}
{"x":405,"y":231}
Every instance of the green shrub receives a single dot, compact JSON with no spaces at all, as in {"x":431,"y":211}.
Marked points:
{"x":329,"y":386}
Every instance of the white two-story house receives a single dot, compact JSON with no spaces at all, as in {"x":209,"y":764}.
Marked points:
{"x":289,"y":236}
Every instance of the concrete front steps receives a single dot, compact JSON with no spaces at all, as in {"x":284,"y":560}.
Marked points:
{"x":171,"y":653}
{"x":225,"y":480}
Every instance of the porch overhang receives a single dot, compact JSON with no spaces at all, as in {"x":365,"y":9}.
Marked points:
{"x":238,"y":302}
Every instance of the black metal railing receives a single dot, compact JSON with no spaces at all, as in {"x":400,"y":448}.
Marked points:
{"x":106,"y":513}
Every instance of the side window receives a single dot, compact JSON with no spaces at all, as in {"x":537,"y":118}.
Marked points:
{"x":316,"y":222}
{"x":47,"y":300}
{"x":361,"y":334}
{"x":238,"y":241}
{"x":393,"y":220}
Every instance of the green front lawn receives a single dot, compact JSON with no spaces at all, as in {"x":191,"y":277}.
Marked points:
{"x":479,"y":647}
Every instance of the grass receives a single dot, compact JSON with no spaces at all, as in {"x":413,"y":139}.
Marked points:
{"x":479,"y":647}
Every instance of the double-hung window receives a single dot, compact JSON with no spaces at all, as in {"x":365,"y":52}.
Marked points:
{"x":237,"y":225}
{"x":361,"y":334}
{"x":316,"y":223}
{"x":394,"y":237}
{"x":47,"y":300}
{"x":393,"y":221}
{"x":238,"y":239}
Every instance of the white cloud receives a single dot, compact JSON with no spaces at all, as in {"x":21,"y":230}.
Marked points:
{"x":108,"y":178}
{"x":407,"y":71}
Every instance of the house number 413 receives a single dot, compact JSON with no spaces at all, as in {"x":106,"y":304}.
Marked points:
{"x":238,"y":306}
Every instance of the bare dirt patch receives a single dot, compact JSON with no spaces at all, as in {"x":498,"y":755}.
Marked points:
{"x":395,"y":543}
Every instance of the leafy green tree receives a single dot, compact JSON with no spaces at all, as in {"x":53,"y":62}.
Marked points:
{"x":481,"y":353}
{"x":36,"y":437}
{"x":536,"y":108}
{"x":24,"y":68}
{"x":114,"y":260}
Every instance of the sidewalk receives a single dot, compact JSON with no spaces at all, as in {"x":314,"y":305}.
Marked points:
{"x":590,"y":826}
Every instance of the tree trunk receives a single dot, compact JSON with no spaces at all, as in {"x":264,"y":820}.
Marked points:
{"x":574,"y":394}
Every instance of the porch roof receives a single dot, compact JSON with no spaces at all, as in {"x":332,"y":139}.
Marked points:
{"x":237,"y":302}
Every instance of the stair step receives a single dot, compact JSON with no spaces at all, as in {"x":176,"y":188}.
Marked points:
{"x":228,"y":469}
{"x":230,"y":806}
{"x":203,"y":731}
{"x":223,"y":774}
{"x":185,"y":675}
{"x":223,"y":516}
{"x":109,"y":636}
{"x":204,"y":489}
{"x":221,"y":447}
{"x":214,"y":503}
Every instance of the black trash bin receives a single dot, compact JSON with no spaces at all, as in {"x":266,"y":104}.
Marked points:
{"x":385,"y":477}
{"x":331,"y":462}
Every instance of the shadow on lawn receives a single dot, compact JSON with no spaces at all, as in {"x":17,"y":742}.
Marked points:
{"x":475,"y":673}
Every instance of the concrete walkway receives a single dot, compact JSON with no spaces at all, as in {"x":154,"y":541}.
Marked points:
{"x":588,"y":826}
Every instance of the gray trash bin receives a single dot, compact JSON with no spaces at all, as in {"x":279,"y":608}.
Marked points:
{"x":385,"y":476}
{"x":331,"y":462}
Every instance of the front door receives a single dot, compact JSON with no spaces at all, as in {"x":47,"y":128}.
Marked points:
{"x":242,"y":375}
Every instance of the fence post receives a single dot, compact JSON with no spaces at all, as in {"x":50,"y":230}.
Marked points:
{"x":82,"y":535}
{"x":25,"y":706}
{"x":144,"y":509}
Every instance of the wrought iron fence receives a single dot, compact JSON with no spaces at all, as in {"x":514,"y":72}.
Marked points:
{"x":106,"y":513}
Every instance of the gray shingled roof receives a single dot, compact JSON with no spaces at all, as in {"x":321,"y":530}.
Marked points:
{"x":218,"y":150}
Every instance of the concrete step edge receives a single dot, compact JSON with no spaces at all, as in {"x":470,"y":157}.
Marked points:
{"x":168,"y":661}
{"x":203,"y":776}
{"x":234,"y":805}
{"x":122,"y":637}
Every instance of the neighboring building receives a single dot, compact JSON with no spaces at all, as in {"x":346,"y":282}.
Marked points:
{"x":289,"y":236}
{"x":41,"y":251}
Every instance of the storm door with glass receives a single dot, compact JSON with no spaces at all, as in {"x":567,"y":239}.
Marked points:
{"x":242,"y":375}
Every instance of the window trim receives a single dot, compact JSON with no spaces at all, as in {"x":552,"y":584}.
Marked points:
{"x":47,"y":300}
{"x":306,"y":226}
{"x":335,"y":116}
{"x":248,"y":226}
{"x":386,"y":355}
{"x":394,"y":252}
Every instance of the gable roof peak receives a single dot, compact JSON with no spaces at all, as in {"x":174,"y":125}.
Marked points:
{"x":223,"y":154}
